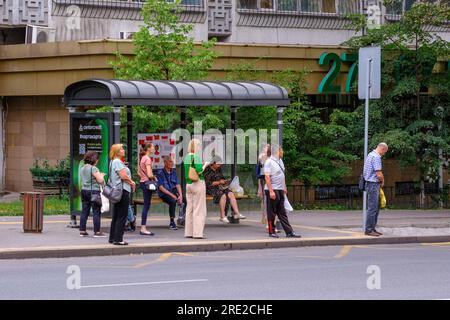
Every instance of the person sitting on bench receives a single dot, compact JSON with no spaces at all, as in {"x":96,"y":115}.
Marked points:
{"x":218,"y":187}
{"x":169,"y":191}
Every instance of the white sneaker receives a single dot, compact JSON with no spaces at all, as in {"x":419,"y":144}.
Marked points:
{"x":239,"y":216}
{"x":224,"y":220}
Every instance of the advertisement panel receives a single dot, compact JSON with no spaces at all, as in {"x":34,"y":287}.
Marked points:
{"x":88,"y":132}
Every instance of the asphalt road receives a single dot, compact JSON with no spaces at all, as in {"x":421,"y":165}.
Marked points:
{"x":399,"y":271}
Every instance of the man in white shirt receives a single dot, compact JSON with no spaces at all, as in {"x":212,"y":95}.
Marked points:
{"x":275,"y":190}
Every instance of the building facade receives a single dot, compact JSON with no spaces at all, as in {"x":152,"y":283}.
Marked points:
{"x":303,"y":22}
{"x":48,"y":44}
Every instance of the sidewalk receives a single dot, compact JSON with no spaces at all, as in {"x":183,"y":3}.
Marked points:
{"x":318,"y":228}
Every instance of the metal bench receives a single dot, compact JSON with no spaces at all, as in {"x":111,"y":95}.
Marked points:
{"x":156,"y":199}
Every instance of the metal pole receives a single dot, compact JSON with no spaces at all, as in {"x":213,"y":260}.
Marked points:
{"x":130,"y":137}
{"x":183,"y":124}
{"x":116,"y":124}
{"x":233,"y":127}
{"x":280,"y":125}
{"x":2,"y":145}
{"x":366,"y":135}
{"x":440,"y":113}
{"x":73,"y":218}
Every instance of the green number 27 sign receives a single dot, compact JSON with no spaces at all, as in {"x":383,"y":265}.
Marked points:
{"x":335,"y":62}
{"x":327,"y":85}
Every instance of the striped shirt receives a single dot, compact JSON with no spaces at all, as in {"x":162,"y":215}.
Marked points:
{"x":371,"y":166}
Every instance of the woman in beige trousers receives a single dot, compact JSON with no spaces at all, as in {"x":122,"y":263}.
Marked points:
{"x":195,"y":193}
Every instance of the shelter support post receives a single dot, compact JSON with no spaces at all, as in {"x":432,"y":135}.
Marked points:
{"x":183,"y":125}
{"x":73,"y":218}
{"x":280,"y":125}
{"x":130,"y":137}
{"x":116,"y":120}
{"x":233,"y":111}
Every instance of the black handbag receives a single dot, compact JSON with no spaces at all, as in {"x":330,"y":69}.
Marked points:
{"x":113,"y":192}
{"x":362,"y":183}
{"x":95,"y":197}
{"x":151,"y":185}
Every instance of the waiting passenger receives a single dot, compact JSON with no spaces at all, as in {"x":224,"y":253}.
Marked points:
{"x":218,"y":187}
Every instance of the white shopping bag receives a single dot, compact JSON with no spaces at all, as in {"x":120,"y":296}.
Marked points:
{"x":105,"y":202}
{"x":234,"y":185}
{"x":287,"y":204}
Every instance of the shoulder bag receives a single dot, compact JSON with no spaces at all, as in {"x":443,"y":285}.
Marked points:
{"x":113,"y":192}
{"x":193,"y":175}
{"x":95,"y":197}
{"x":151,"y":184}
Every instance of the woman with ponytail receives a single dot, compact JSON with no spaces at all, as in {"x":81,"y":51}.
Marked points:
{"x":146,"y":173}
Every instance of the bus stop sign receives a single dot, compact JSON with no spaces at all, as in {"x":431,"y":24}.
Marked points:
{"x":369,"y":73}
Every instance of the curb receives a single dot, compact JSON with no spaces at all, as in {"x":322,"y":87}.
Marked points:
{"x":198,"y":246}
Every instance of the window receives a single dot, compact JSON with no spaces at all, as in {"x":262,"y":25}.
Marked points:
{"x":287,"y":5}
{"x":310,"y":5}
{"x":256,"y":4}
{"x":191,"y":2}
{"x":329,"y":6}
{"x":398,"y":7}
{"x":409,"y":4}
{"x":266,"y":4}
{"x":186,"y":2}
{"x":348,"y":6}
{"x":325,"y":6}
{"x":248,"y":4}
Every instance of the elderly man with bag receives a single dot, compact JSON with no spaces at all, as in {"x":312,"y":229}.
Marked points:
{"x":169,"y":191}
{"x":275,"y":190}
{"x":373,"y":181}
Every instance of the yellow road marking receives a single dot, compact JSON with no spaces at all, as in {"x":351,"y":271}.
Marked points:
{"x":185,"y":254}
{"x":344,"y":252}
{"x":353,"y":233}
{"x":65,"y":221}
{"x":381,"y":247}
{"x":163,"y":257}
{"x":439,"y":244}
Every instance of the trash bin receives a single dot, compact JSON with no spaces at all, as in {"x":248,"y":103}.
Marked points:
{"x":33,"y":211}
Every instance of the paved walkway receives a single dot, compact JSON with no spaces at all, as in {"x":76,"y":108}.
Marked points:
{"x":316,"y":228}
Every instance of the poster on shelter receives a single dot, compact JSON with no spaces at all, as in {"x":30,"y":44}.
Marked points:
{"x":212,"y":145}
{"x":164,"y":146}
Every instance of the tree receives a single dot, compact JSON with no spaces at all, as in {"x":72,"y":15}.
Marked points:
{"x":164,"y":50}
{"x":308,"y":140}
{"x":413,"y":114}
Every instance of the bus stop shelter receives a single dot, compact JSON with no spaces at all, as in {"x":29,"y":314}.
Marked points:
{"x":181,"y":94}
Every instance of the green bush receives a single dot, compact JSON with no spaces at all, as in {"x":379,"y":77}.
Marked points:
{"x":44,"y":170}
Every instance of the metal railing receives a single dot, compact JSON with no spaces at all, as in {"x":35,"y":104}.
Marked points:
{"x":192,"y":11}
{"x":349,"y":197}
{"x":309,"y":14}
